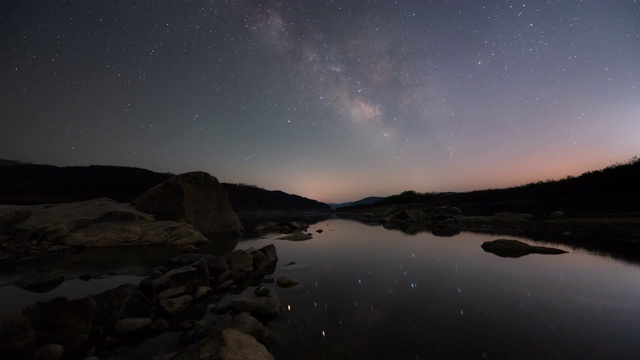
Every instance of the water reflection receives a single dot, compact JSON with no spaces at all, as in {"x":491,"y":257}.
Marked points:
{"x":368,"y":292}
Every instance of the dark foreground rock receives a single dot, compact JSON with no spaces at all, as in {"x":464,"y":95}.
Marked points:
{"x":228,"y":344}
{"x":516,"y":249}
{"x":173,"y":298}
{"x":195,"y":197}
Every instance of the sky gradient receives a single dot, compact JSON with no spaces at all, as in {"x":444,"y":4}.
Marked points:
{"x":332,"y":100}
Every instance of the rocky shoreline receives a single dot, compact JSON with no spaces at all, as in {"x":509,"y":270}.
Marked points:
{"x":448,"y":221}
{"x":236,"y":289}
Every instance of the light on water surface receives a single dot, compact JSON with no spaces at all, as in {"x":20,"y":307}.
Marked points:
{"x":470,"y":303}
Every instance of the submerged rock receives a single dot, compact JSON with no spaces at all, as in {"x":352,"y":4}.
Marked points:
{"x":286,"y":282}
{"x":297,"y":236}
{"x":40,"y":282}
{"x":515,"y":248}
{"x":269,"y":305}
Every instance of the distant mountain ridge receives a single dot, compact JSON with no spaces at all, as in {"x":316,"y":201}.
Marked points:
{"x":22,"y":183}
{"x":365,"y":201}
{"x":252,"y":199}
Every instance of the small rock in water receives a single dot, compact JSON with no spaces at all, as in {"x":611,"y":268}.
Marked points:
{"x":43,"y":281}
{"x":261,"y":291}
{"x":50,"y":352}
{"x":85,"y":277}
{"x":291,"y":263}
{"x":319,"y":231}
{"x":286,"y":282}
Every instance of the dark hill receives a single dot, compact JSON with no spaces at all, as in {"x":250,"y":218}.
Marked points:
{"x":613,"y":189}
{"x":252,"y":199}
{"x":365,"y":201}
{"x":36,"y":184}
{"x":22,"y":183}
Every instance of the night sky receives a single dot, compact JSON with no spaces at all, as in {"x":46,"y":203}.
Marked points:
{"x":333,"y":100}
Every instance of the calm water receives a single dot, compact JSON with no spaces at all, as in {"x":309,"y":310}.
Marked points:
{"x":370,"y":293}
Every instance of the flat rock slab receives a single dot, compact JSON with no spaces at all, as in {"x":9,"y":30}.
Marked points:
{"x":516,"y":249}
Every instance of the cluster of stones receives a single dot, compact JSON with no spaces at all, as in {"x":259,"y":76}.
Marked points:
{"x":441,"y":221}
{"x":293,"y":230}
{"x":171,"y":298}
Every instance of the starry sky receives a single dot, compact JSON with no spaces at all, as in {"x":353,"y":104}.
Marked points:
{"x":332,"y":100}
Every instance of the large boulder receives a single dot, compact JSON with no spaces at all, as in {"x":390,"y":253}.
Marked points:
{"x":228,"y":344}
{"x":194,"y":197}
{"x":17,"y":338}
{"x":101,"y":223}
{"x":516,"y":249}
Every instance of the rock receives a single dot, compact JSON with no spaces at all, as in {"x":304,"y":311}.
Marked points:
{"x":63,"y":322}
{"x":515,"y":248}
{"x":220,"y":308}
{"x":228,"y":344}
{"x":125,"y":301}
{"x":297,"y":236}
{"x":283,"y":228}
{"x":102,"y":222}
{"x":507,"y":217}
{"x":224,"y":285}
{"x":190,"y":249}
{"x":319,"y":231}
{"x":172,"y":292}
{"x":259,"y":306}
{"x":286,"y":282}
{"x":85,"y":277}
{"x":50,"y":352}
{"x":204,"y":277}
{"x":249,"y":325}
{"x":159,"y":325}
{"x":201,"y":292}
{"x":176,"y":305}
{"x":413,"y":215}
{"x":17,"y":337}
{"x":184,"y":276}
{"x":39,"y":282}
{"x":196,"y":197}
{"x":261,"y":291}
{"x":556,"y":214}
{"x":130,"y":325}
{"x":240,"y":260}
{"x":270,"y":252}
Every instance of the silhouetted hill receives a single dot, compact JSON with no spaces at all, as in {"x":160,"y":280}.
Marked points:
{"x":365,"y":201}
{"x":613,"y":189}
{"x":22,"y":183}
{"x":252,"y":199}
{"x":36,"y":184}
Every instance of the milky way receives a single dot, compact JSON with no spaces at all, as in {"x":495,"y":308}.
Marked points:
{"x":333,"y":100}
